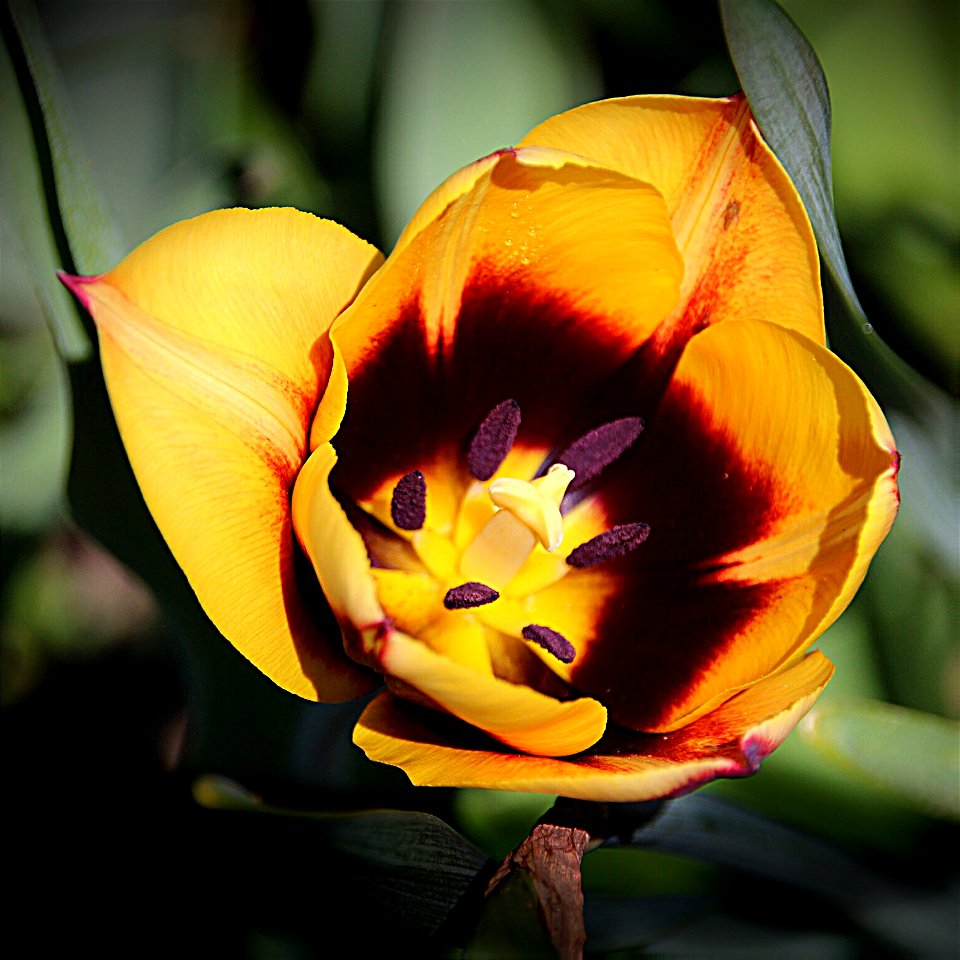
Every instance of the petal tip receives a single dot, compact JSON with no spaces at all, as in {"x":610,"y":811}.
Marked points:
{"x":76,"y":284}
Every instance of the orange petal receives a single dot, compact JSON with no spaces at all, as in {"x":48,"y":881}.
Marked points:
{"x":745,"y":238}
{"x":768,"y":478}
{"x":211,"y":342}
{"x":535,"y":278}
{"x":622,"y":767}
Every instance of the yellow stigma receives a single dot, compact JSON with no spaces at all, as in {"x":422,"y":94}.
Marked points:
{"x":536,"y":504}
{"x":529,"y":512}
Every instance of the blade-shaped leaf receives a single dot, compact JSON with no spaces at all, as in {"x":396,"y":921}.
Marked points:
{"x":408,"y":862}
{"x":912,"y":754}
{"x":730,"y":836}
{"x":619,"y":923}
{"x":83,"y":235}
{"x":29,"y":237}
{"x":94,"y":240}
{"x":77,"y":235}
{"x":788,"y":94}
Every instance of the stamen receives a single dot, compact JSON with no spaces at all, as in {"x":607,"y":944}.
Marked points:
{"x":471,"y":594}
{"x":408,"y":505}
{"x":617,"y":542}
{"x":600,"y":447}
{"x":551,"y":641}
{"x":493,"y":439}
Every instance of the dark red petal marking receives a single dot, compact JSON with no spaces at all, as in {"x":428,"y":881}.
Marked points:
{"x":673,"y":612}
{"x":470,"y":594}
{"x":617,"y":542}
{"x":408,"y":505}
{"x":550,"y":640}
{"x":493,"y":439}
{"x":600,"y":447}
{"x":412,"y":403}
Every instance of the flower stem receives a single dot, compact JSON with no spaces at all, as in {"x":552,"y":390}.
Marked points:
{"x":550,"y":859}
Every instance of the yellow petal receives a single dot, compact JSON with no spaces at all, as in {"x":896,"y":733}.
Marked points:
{"x":745,"y":238}
{"x":515,"y":715}
{"x":414,"y":604}
{"x":730,"y":742}
{"x":209,"y":339}
{"x":338,"y":555}
{"x":543,"y":257}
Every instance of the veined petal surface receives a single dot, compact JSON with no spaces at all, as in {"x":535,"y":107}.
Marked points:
{"x":623,"y":767}
{"x":212,"y":339}
{"x":746,"y":241}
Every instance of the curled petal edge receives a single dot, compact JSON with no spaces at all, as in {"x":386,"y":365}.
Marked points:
{"x":622,"y":767}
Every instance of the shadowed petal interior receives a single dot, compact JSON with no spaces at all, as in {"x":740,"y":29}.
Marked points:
{"x":545,"y":258}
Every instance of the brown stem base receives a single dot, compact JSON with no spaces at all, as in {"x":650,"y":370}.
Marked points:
{"x":551,"y":858}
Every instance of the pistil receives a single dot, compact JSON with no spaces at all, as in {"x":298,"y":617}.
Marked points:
{"x":529,"y":512}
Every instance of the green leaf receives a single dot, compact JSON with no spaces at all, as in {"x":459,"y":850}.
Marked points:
{"x":411,"y":864}
{"x":29,"y":247}
{"x":788,"y":94}
{"x":910,"y":921}
{"x":94,"y":239}
{"x":787,"y":91}
{"x":911,"y":754}
{"x":509,"y":927}
{"x":85,"y":238}
{"x":727,"y":835}
{"x":619,"y":923}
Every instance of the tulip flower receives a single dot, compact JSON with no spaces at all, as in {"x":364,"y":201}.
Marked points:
{"x":573,"y":469}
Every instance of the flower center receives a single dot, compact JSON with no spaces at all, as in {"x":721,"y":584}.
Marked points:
{"x":526,"y":517}
{"x":529,"y":513}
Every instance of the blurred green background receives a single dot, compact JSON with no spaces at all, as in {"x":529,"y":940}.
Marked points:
{"x":356,"y":110}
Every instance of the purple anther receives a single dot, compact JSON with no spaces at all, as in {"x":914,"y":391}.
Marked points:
{"x":550,"y":640}
{"x":470,"y":594}
{"x":493,"y":439}
{"x":606,"y":546}
{"x":596,"y":450}
{"x":408,"y":505}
